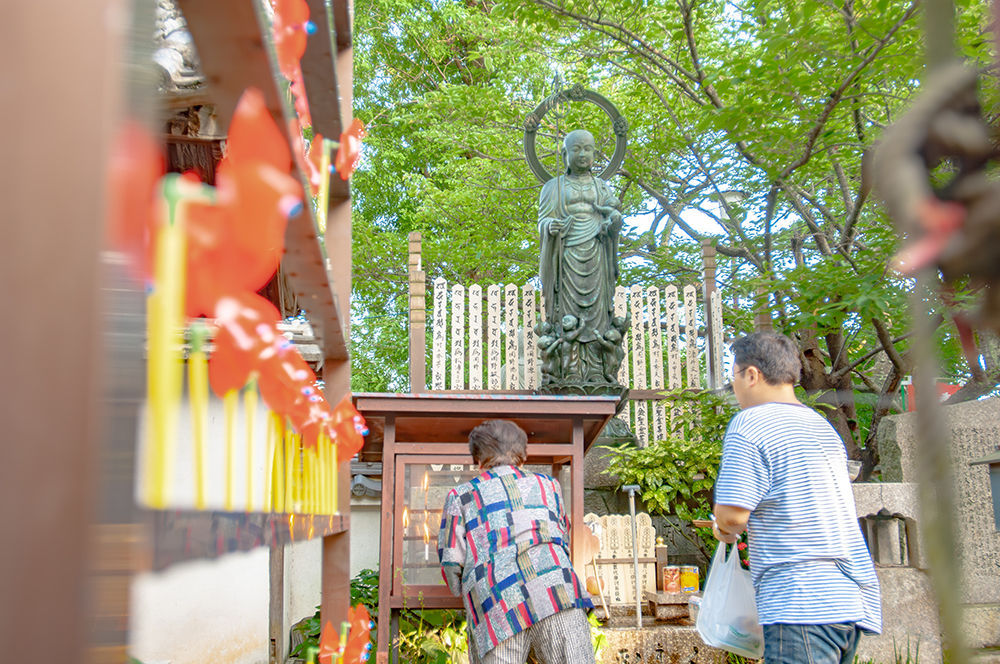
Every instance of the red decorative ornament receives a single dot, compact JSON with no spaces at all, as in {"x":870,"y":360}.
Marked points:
{"x":349,"y":152}
{"x":359,"y":643}
{"x":291,"y":25}
{"x":329,"y":644}
{"x":135,"y":167}
{"x":348,"y":429}
{"x":314,"y":163}
{"x":254,"y":136}
{"x":247,"y":328}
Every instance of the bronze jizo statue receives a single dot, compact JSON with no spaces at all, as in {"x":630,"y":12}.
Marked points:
{"x":579,"y":222}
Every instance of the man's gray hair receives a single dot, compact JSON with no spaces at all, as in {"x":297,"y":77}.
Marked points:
{"x":774,"y":354}
{"x":498,"y":443}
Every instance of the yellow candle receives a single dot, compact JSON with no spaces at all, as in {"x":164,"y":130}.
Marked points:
{"x":335,"y":483}
{"x":290,"y":465}
{"x":165,"y":320}
{"x":269,"y":463}
{"x":250,"y":413}
{"x":230,"y":403}
{"x":198,"y":390}
{"x":308,"y":484}
{"x":279,"y":464}
{"x":324,"y":474}
{"x":165,"y":307}
{"x":323,"y":194}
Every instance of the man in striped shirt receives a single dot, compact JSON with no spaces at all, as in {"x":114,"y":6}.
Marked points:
{"x":784,"y":478}
{"x":504,"y":548}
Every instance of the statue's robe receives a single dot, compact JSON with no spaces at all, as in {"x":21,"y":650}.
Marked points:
{"x":579,"y":265}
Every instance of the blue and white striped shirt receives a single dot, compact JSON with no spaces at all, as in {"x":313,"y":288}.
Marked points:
{"x":808,"y":559}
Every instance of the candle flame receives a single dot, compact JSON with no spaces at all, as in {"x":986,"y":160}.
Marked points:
{"x":427,"y":534}
{"x":406,"y":517}
{"x":426,"y":482}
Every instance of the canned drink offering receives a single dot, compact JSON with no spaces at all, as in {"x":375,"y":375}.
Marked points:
{"x":689,"y":579}
{"x":671,"y":579}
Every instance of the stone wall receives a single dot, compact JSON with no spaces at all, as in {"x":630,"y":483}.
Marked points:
{"x":975,"y":432}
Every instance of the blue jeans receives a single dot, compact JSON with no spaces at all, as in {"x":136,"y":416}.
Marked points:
{"x":811,"y":644}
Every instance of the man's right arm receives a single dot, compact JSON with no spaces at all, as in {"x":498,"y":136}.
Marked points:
{"x":728,"y":522}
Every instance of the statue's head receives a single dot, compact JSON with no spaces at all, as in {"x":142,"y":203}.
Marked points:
{"x":578,"y":151}
{"x":543,"y":328}
{"x":569,"y":322}
{"x":613,"y":335}
{"x":619,"y":323}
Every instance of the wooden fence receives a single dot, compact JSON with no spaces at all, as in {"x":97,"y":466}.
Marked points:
{"x":484,"y":339}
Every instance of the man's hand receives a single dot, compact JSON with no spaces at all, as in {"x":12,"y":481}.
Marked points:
{"x":727,"y":538}
{"x":728,"y":522}
{"x":556,"y":226}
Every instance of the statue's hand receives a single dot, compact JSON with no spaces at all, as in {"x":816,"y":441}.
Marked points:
{"x":557,"y":226}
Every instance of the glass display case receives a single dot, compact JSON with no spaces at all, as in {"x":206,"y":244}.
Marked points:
{"x":425,"y":483}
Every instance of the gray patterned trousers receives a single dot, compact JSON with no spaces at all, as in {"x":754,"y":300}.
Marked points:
{"x":563,"y":638}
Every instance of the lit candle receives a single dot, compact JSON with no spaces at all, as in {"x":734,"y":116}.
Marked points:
{"x":198,"y":387}
{"x":230,"y":403}
{"x":250,"y":413}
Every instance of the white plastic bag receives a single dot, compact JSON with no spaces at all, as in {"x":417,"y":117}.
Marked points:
{"x":728,"y":616}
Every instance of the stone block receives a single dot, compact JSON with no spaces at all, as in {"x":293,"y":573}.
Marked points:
{"x":667,"y":606}
{"x":657,"y":643}
{"x":909,"y":616}
{"x":974,"y":430}
{"x":595,"y":467}
{"x":981,"y":625}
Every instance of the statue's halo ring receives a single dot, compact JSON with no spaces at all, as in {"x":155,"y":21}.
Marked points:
{"x":576,"y":93}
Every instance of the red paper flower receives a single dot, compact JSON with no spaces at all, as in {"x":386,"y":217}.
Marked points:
{"x":254,"y":136}
{"x":348,"y":429}
{"x":359,"y":642}
{"x":236,"y":244}
{"x":247,"y":328}
{"x":135,"y":167}
{"x":290,"y":29}
{"x":314,"y":162}
{"x":329,"y":644}
{"x":349,"y":152}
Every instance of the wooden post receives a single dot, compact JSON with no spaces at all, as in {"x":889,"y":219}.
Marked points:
{"x":385,"y":568}
{"x":52,"y":236}
{"x":661,"y":562}
{"x":336,"y":582}
{"x":576,"y":491}
{"x":418,"y":318}
{"x":276,"y":606}
{"x":708,"y":287}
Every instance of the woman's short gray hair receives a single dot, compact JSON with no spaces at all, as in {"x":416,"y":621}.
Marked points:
{"x":498,"y":443}
{"x":774,"y":354}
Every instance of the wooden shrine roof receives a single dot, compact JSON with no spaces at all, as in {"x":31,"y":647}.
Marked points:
{"x":448,"y":417}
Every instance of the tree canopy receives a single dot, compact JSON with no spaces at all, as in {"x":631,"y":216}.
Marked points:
{"x":757,"y":117}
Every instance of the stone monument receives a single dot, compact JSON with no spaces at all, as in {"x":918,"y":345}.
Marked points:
{"x":579,"y":221}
